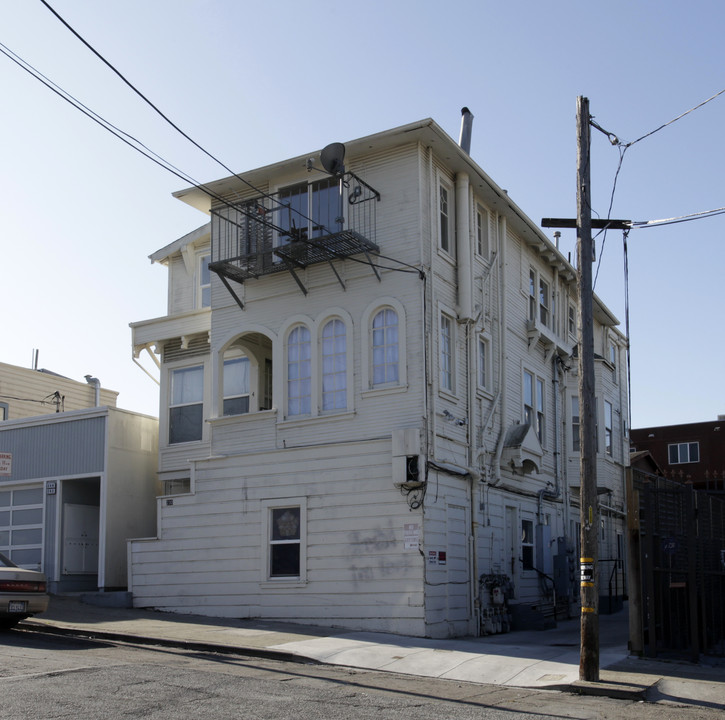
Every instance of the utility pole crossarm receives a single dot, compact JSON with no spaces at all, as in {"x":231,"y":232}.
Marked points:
{"x":596,"y":224}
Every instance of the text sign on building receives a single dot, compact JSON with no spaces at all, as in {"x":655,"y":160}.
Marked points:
{"x":51,"y":487}
{"x":411,"y":536}
{"x":6,"y":463}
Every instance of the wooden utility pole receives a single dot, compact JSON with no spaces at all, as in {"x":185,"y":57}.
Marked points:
{"x":589,"y":510}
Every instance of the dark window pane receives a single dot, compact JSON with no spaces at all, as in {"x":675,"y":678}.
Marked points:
{"x":694,"y":452}
{"x":285,"y":560}
{"x":527,"y":556}
{"x":185,"y":423}
{"x":674,"y":455}
{"x":326,"y":208}
{"x":293,"y":215}
{"x":286,"y":523}
{"x":236,"y":406}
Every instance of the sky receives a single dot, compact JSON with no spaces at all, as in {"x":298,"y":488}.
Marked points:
{"x":256,"y":83}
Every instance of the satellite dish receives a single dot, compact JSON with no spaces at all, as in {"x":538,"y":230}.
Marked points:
{"x":332,"y":158}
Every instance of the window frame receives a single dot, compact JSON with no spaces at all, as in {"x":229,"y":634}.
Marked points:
{"x":4,"y":411}
{"x":613,"y":360}
{"x":338,"y":359}
{"x":572,"y":322}
{"x":171,"y":405}
{"x":545,"y":311}
{"x":527,"y":547}
{"x":534,"y":411}
{"x":483,"y":234}
{"x":608,"y":427}
{"x":267,"y":508}
{"x":690,"y":446}
{"x":533,"y":300}
{"x":386,"y":381}
{"x":312,"y":192}
{"x":369,"y":386}
{"x":445,"y":212}
{"x":304,"y":411}
{"x":483,"y":359}
{"x":203,"y":286}
{"x":236,"y":358}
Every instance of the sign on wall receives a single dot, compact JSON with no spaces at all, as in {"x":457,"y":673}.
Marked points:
{"x":411,"y":536}
{"x":6,"y":463}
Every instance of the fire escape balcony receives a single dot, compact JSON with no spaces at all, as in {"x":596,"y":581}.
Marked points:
{"x":294,"y":228}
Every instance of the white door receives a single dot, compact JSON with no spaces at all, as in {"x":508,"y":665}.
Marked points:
{"x":80,"y":539}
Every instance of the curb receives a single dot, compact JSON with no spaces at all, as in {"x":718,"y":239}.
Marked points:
{"x":615,"y":691}
{"x":191,"y":645}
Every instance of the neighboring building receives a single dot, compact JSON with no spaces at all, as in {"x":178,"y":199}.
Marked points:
{"x":690,"y":452}
{"x":74,"y":484}
{"x":369,"y":405}
{"x":25,"y":392}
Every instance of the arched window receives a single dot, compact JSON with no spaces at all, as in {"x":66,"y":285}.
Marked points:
{"x":299,"y":371}
{"x":334,"y":366}
{"x":385,"y":347}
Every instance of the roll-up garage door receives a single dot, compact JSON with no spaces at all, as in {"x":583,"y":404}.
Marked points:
{"x":21,"y":525}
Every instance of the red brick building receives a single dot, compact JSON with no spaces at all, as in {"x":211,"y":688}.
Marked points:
{"x":694,"y":451}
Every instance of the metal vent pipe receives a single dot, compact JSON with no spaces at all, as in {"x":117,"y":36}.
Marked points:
{"x":97,"y":385}
{"x":466,"y":127}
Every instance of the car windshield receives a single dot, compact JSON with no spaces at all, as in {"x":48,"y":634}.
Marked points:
{"x":6,"y":562}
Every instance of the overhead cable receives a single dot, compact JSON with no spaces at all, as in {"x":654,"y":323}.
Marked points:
{"x":680,"y":219}
{"x":679,"y":117}
{"x":147,"y":152}
{"x":243,"y":180}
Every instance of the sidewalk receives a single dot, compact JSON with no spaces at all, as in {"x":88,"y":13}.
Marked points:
{"x":544,"y":659}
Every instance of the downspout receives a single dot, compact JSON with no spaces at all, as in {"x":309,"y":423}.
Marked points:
{"x":464,"y":266}
{"x":502,"y":324}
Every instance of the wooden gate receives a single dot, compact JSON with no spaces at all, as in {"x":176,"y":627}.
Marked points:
{"x":677,"y":545}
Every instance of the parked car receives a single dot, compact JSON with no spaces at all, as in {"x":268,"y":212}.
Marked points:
{"x":22,"y":593}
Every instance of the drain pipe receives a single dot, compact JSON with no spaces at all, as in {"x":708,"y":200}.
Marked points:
{"x":502,"y":329}
{"x":97,"y":385}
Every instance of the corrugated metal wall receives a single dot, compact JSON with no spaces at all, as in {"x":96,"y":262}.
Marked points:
{"x":51,"y":450}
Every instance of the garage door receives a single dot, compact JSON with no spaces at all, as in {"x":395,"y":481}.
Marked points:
{"x":21,"y":526}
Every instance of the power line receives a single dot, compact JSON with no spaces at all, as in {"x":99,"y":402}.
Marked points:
{"x":188,"y":178}
{"x":679,"y":117}
{"x":91,"y":114}
{"x":623,"y":147}
{"x":163,"y":115}
{"x":147,"y":152}
{"x":682,"y":218}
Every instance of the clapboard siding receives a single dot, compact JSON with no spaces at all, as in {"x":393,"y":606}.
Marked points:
{"x":355,"y":548}
{"x":340,"y":467}
{"x":28,"y":393}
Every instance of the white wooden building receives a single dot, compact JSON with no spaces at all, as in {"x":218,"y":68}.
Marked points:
{"x":368,"y":412}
